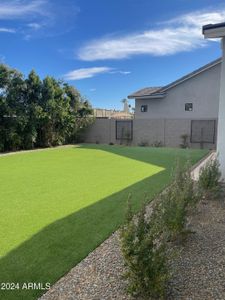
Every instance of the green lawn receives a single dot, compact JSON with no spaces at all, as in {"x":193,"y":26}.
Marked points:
{"x":57,"y":205}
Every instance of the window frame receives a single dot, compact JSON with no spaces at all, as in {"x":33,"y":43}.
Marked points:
{"x":145,"y":108}
{"x":189,"y":104}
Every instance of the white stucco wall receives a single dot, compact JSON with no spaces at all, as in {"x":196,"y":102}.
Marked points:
{"x":201,"y":90}
{"x":221,"y":118}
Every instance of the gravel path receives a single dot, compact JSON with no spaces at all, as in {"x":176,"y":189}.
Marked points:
{"x":199,"y":269}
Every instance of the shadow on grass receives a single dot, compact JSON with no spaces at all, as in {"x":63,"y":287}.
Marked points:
{"x":53,"y":251}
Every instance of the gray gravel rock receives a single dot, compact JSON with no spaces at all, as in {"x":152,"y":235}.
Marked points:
{"x":199,"y":267}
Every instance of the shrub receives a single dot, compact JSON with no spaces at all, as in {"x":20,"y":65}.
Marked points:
{"x":144,"y":252}
{"x":157,"y":144}
{"x":184,"y":144}
{"x":184,"y":184}
{"x":176,"y":201}
{"x":174,"y":213}
{"x":209,"y":178}
{"x":143,"y":144}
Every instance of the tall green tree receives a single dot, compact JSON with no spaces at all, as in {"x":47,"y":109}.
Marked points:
{"x":39,"y":113}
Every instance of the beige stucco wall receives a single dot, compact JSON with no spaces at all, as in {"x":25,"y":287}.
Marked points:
{"x":166,"y":131}
{"x":101,"y":131}
{"x":201,"y":90}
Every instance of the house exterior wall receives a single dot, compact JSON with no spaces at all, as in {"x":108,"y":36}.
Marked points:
{"x":221,"y":121}
{"x":202,"y":90}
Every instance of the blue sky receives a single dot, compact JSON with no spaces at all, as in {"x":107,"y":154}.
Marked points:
{"x":108,"y":49}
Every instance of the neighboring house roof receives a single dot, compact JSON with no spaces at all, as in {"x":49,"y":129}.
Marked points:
{"x":160,"y":92}
{"x":145,"y":91}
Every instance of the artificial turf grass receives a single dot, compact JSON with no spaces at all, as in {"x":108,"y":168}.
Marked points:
{"x":58,"y":205}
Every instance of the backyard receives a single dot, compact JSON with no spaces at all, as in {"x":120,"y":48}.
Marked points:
{"x":57,"y":205}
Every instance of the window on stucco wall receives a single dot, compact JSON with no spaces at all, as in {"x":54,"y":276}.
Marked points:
{"x":188,"y":106}
{"x":144,"y":108}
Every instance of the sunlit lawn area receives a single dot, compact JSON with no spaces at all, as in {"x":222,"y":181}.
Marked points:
{"x":57,"y":205}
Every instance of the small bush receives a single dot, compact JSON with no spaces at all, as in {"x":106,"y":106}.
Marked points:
{"x":144,"y":252}
{"x":209,"y":178}
{"x":157,"y":144}
{"x":184,"y":184}
{"x":176,"y":202}
{"x":143,"y":144}
{"x":184,"y":144}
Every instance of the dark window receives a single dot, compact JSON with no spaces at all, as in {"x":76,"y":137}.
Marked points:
{"x":144,"y":108}
{"x":188,"y":106}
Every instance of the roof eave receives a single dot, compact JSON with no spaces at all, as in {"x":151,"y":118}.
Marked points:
{"x":214,"y":30}
{"x":153,"y":96}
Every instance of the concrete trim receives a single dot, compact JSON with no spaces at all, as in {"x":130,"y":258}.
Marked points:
{"x":196,"y":169}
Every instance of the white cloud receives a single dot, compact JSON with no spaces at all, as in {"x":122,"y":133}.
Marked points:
{"x":34,"y":26}
{"x":16,"y":9}
{"x":93,"y":90}
{"x":7,"y":30}
{"x":121,"y":72}
{"x":176,"y":35}
{"x":199,"y":18}
{"x":86,"y":73}
{"x":91,"y":72}
{"x":38,"y":18}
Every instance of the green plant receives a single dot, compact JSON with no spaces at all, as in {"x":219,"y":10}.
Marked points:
{"x":143,"y":143}
{"x":39,"y":113}
{"x":174,"y":214}
{"x":209,"y":178}
{"x":184,"y":144}
{"x":144,"y":252}
{"x":181,"y":196}
{"x":157,"y":144}
{"x":184,"y":184}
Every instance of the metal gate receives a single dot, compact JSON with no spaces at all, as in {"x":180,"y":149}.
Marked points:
{"x":203,"y":131}
{"x":124,"y":130}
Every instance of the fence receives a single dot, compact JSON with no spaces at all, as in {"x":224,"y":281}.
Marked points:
{"x":166,"y":132}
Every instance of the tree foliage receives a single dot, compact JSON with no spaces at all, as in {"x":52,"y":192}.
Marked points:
{"x":39,"y":113}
